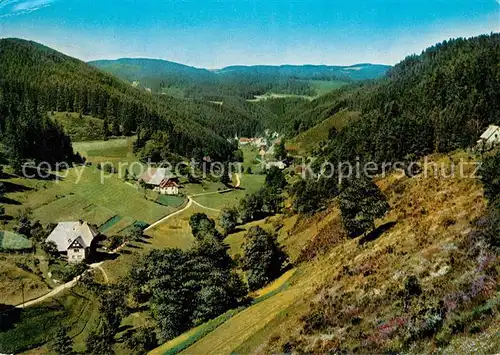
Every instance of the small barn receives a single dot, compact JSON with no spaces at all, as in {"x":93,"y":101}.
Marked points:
{"x":73,"y":239}
{"x":161,"y":180}
{"x":279,"y":164}
{"x":490,"y":138}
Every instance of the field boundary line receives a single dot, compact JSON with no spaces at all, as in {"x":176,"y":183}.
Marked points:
{"x":205,"y":207}
{"x":190,"y":201}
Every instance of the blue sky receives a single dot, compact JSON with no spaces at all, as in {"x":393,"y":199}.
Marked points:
{"x":215,"y":34}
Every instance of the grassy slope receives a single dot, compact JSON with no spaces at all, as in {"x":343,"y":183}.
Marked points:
{"x":38,"y":324}
{"x":114,"y":151}
{"x":325,"y":86}
{"x":86,"y":128}
{"x":13,"y":278}
{"x":85,"y":198}
{"x":190,"y":337}
{"x":417,"y":236}
{"x":320,"y":86}
{"x":307,"y":140}
{"x":250,"y":183}
{"x":238,"y":328}
{"x":420,"y":243}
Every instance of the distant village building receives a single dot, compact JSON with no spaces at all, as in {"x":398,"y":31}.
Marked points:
{"x":73,"y":239}
{"x":257,"y":142}
{"x":245,"y":141}
{"x":270,"y":134}
{"x":161,"y":180}
{"x":279,"y":164}
{"x":490,"y":138}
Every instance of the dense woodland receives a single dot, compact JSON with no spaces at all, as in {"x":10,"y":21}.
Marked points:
{"x":37,"y":79}
{"x":439,"y":101}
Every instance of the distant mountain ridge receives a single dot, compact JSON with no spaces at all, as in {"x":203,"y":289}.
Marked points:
{"x":147,"y":66}
{"x":244,"y":81}
{"x":361,"y":71}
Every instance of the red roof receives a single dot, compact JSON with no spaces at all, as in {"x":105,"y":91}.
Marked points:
{"x":169,"y":183}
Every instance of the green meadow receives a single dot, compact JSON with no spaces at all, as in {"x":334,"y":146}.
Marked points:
{"x":85,"y":193}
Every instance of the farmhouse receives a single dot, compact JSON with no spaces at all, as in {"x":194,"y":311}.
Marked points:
{"x":490,"y":138}
{"x":245,"y":141}
{"x":161,"y":180}
{"x":73,"y":239}
{"x":256,"y":142}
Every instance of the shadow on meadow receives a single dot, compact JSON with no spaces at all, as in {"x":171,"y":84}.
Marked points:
{"x":377,"y":232}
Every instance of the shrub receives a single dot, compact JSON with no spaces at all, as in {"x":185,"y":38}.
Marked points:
{"x":142,"y":340}
{"x":487,"y":228}
{"x":68,"y":272}
{"x":202,"y":226}
{"x":311,"y":196}
{"x":265,"y":202}
{"x":228,"y":220}
{"x":263,"y":258}
{"x":275,"y":178}
{"x":490,"y":176}
{"x":114,"y":242}
{"x":62,"y":344}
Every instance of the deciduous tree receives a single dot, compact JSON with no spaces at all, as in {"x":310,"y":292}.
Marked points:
{"x":275,"y":178}
{"x":361,"y":202}
{"x":228,"y":219}
{"x":263,"y":258}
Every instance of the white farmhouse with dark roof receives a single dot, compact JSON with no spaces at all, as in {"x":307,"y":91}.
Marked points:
{"x":162,"y":180}
{"x":74,"y":239}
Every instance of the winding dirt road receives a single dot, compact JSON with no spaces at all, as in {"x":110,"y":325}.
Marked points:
{"x":190,"y":202}
{"x":62,"y":287}
{"x":72,"y":283}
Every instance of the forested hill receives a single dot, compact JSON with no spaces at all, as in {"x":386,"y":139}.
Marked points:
{"x":363,"y":71}
{"x":146,"y":70}
{"x":244,"y":81}
{"x":439,"y":100}
{"x":35,"y":78}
